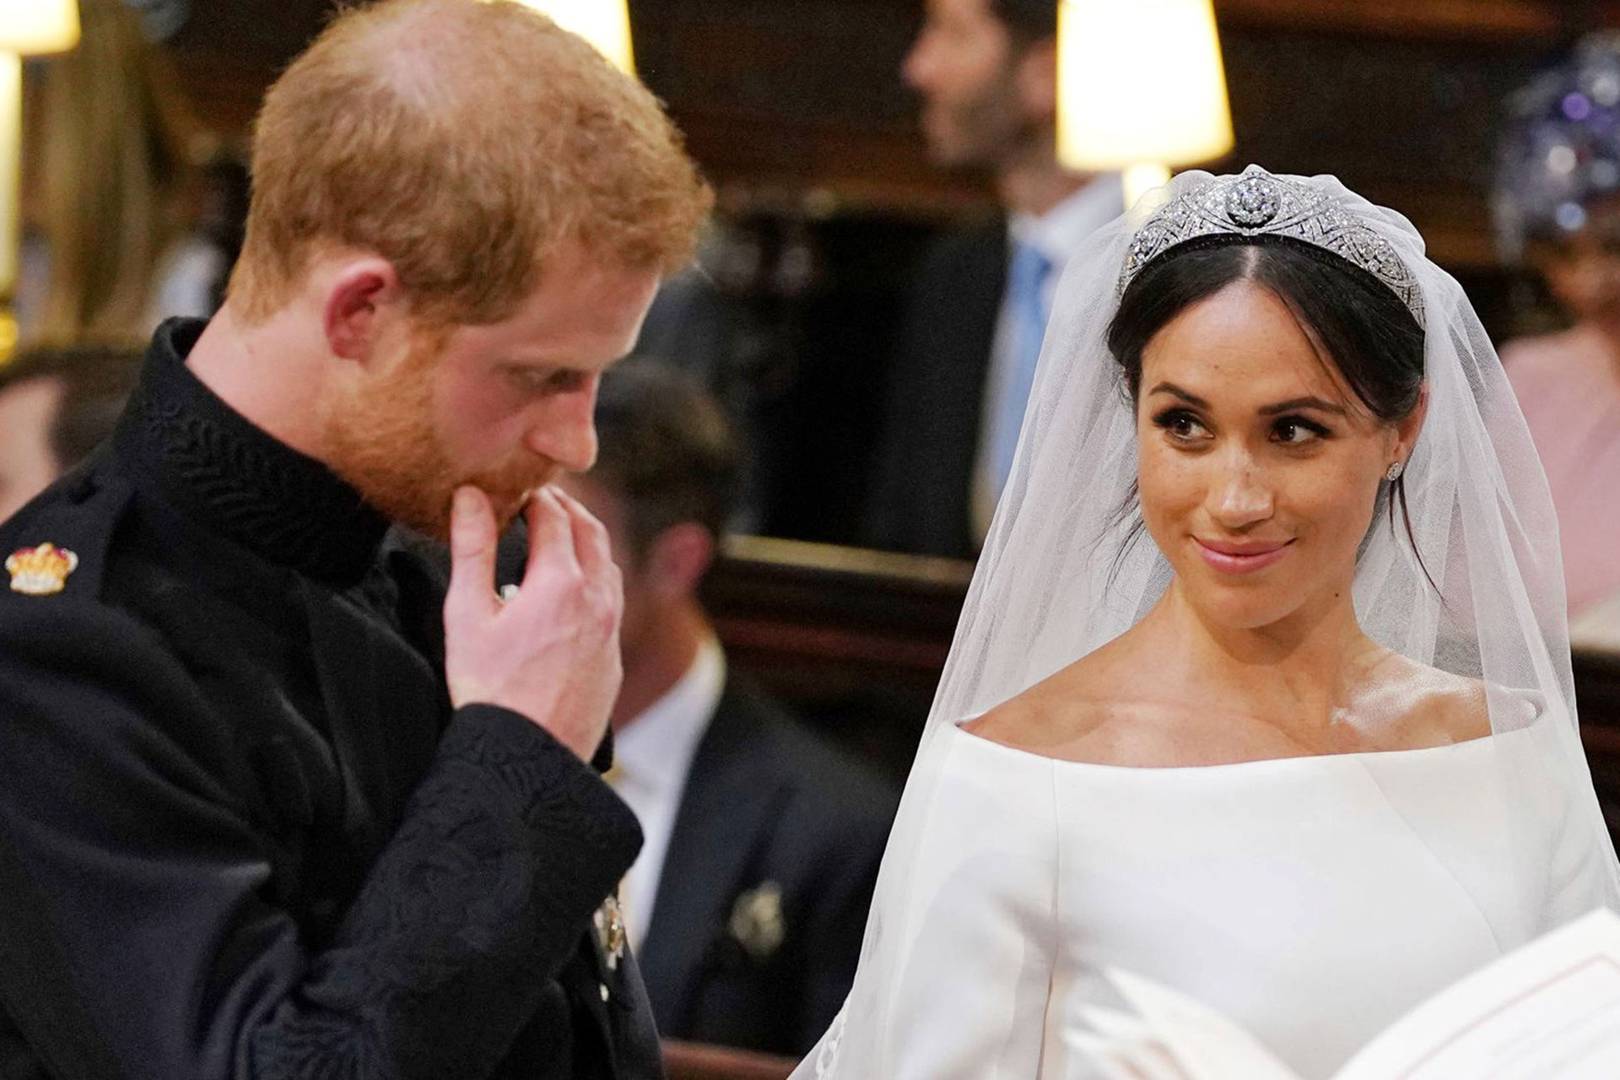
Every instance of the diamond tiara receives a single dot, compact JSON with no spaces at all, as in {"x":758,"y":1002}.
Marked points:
{"x":1256,"y":203}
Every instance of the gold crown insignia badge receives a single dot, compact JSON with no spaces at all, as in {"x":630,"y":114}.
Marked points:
{"x":41,"y":571}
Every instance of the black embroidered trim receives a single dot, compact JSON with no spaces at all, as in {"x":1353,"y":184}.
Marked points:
{"x":244,"y":484}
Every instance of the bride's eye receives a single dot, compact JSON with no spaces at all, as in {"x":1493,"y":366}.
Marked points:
{"x":1181,"y":425}
{"x":1297,"y":431}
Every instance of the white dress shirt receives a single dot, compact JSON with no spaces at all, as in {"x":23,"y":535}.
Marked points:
{"x":651,"y":758}
{"x":1057,"y":234}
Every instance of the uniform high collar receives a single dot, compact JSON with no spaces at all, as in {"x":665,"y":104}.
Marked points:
{"x":215,"y":466}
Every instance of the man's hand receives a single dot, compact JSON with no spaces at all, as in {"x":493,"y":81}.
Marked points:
{"x":551,"y":652}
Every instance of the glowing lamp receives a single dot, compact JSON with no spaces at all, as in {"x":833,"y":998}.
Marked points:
{"x":35,"y":27}
{"x":603,"y":23}
{"x":1141,"y":88}
{"x":27,"y":28}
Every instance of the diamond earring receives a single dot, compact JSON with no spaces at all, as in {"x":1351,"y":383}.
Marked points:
{"x":1393,"y":473}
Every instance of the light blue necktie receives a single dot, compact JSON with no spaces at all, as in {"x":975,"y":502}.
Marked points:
{"x":1026,"y":293}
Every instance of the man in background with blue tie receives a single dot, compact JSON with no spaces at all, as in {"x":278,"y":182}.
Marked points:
{"x":987,"y":73}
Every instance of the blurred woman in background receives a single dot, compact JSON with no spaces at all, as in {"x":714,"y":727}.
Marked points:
{"x":1558,"y":207}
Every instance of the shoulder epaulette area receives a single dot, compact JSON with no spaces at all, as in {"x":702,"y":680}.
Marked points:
{"x":55,"y":548}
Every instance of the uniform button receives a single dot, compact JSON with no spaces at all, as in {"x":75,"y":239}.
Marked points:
{"x":605,"y":994}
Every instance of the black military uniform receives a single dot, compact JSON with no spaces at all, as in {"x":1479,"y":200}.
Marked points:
{"x":242,"y":831}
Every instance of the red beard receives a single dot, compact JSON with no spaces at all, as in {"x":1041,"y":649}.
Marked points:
{"x":383,"y":442}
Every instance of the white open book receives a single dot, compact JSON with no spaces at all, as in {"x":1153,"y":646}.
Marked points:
{"x":1547,"y":1011}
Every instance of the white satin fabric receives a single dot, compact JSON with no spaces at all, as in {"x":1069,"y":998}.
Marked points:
{"x":1290,"y":894}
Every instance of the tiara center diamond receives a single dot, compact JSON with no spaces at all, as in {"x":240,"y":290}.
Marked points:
{"x":1252,"y":202}
{"x":1257,"y":203}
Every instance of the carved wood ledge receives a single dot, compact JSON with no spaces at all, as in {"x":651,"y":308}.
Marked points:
{"x":1518,"y":21}
{"x":692,"y":1061}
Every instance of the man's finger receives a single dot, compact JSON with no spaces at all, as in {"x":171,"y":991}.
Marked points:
{"x":550,"y":541}
{"x":590,"y":539}
{"x":473,"y":541}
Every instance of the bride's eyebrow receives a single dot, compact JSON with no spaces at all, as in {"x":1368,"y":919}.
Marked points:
{"x":1320,"y":404}
{"x":1171,"y":388}
{"x":1303,"y":403}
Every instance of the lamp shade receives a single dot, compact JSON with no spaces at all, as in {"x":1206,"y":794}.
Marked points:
{"x":10,"y":160}
{"x":1140,"y":81}
{"x":603,"y":23}
{"x":31,"y":27}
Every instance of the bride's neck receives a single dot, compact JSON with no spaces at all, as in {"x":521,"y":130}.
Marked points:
{"x":1301,"y":666}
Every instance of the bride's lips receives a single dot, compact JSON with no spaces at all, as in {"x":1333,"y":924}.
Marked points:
{"x":1230,"y":557}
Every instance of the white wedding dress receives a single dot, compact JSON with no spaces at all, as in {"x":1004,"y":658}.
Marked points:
{"x":1312,"y":900}
{"x":1289,"y":894}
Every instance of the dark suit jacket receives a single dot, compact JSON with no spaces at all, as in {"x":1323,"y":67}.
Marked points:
{"x":922,"y":496}
{"x":777,"y":836}
{"x":243,"y":834}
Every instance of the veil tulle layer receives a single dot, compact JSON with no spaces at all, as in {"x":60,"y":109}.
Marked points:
{"x":1062,"y":574}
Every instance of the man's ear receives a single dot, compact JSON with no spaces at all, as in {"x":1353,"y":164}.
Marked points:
{"x":678,"y":559}
{"x":1035,"y":75}
{"x":358,"y":291}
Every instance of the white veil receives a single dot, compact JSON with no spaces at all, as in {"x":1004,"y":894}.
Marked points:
{"x":1059,"y":577}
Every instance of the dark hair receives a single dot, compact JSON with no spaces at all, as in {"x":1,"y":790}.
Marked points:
{"x":96,"y":381}
{"x":667,"y":450}
{"x":1028,"y":21}
{"x":1366,"y":330}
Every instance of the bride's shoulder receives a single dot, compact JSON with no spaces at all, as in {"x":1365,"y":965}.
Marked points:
{"x":1077,"y":714}
{"x":1428,"y":706}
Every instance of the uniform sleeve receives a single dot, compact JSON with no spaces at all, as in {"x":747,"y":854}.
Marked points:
{"x":137,"y":934}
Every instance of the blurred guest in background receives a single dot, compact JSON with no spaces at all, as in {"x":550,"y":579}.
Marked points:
{"x":56,"y":405}
{"x":275,"y":799}
{"x":119,"y":242}
{"x":1558,"y":205}
{"x":987,"y":73}
{"x":747,"y":903}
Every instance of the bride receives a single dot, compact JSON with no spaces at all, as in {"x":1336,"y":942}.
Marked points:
{"x":1262,"y":689}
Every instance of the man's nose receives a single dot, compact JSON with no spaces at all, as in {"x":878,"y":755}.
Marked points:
{"x":566,"y":432}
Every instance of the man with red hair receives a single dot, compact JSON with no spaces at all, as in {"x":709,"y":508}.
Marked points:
{"x":275,"y":800}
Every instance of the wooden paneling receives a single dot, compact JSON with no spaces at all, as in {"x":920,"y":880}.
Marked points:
{"x":1400,"y":99}
{"x":229,"y":51}
{"x":692,"y":1061}
{"x":793,"y":601}
{"x":1447,"y":20}
{"x":854,"y":640}
{"x":1408,"y":123}
{"x":803,"y":100}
